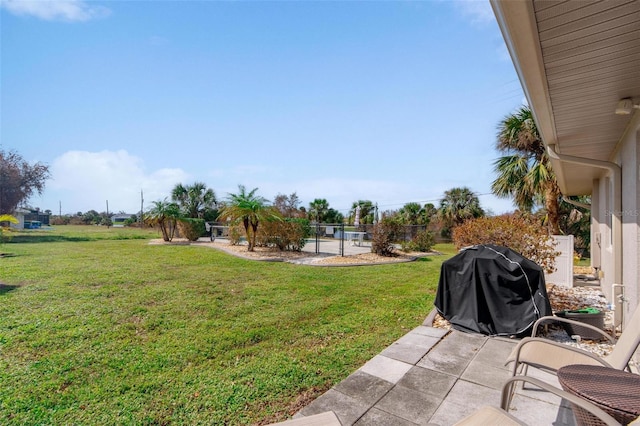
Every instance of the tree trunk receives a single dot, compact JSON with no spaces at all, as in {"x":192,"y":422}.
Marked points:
{"x":553,"y":208}
{"x":245,"y":222}
{"x":163,"y":229}
{"x":254,"y":226}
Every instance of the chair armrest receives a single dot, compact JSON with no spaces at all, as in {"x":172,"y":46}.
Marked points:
{"x":552,"y":318}
{"x":582,"y":403}
{"x":545,"y":360}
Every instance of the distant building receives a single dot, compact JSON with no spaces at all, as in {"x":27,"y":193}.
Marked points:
{"x":30,"y":218}
{"x":118,"y":220}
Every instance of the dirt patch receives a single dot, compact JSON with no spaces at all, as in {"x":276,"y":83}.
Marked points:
{"x":301,"y":401}
{"x":370,"y":259}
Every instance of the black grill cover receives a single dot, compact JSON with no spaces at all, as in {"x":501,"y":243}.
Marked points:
{"x":491,"y":290}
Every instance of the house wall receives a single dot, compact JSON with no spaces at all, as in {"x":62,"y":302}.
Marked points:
{"x":628,"y":157}
{"x":19,"y":214}
{"x":630,"y":161}
{"x":601,"y":227}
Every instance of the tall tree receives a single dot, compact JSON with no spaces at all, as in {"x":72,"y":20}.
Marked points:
{"x":249,"y":209}
{"x":19,"y":180}
{"x":333,"y":216}
{"x":367,"y":211}
{"x":318,"y":209}
{"x":288,"y":205}
{"x":194,"y":200}
{"x":524,"y":172}
{"x":413,"y":214}
{"x":458,"y":205}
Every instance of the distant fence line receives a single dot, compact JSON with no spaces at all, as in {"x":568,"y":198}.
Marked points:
{"x":340,"y":232}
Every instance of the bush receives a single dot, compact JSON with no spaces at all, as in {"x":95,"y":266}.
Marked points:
{"x":384,"y":236}
{"x":59,"y":220}
{"x":236,"y":232}
{"x":519,"y":232}
{"x":289,"y":234}
{"x":423,"y":241}
{"x":191,"y":228}
{"x":132,"y":221}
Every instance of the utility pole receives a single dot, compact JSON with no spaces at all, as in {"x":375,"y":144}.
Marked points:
{"x":141,"y":208}
{"x":60,"y":208}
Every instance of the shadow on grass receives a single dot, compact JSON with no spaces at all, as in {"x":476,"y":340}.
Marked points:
{"x":4,"y":288}
{"x":424,"y":259}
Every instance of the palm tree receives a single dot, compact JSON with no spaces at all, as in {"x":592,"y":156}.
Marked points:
{"x":413,"y":214}
{"x":333,"y":216}
{"x":318,"y":209}
{"x":367,"y":211}
{"x":194,"y":200}
{"x":525,"y":173}
{"x":164,"y":215}
{"x":458,"y":205}
{"x":250,"y":209}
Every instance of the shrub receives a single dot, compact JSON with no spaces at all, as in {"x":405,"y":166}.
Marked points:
{"x":423,"y":241}
{"x":191,"y":228}
{"x":519,"y":232}
{"x":236,"y":232}
{"x":384,"y":236}
{"x":5,"y":228}
{"x":59,"y":220}
{"x":132,"y":221}
{"x":289,"y":234}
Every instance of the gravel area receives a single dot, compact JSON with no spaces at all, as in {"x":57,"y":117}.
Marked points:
{"x":303,"y":257}
{"x":569,"y":298}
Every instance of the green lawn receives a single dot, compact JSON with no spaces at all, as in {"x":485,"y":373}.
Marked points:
{"x":99,"y":327}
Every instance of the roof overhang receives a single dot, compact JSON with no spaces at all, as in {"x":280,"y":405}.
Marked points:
{"x":575,"y":61}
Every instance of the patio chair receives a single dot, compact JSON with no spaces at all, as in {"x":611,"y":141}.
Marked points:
{"x":501,"y":417}
{"x":550,"y":356}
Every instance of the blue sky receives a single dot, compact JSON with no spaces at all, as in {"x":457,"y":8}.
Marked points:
{"x":387,"y":101}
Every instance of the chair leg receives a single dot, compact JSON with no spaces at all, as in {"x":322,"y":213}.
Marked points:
{"x":521,"y":370}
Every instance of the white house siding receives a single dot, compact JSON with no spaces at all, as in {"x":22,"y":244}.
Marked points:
{"x":601,"y":208}
{"x":629,"y":159}
{"x":19,"y":214}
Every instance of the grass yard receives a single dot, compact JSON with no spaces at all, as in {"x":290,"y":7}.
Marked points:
{"x":99,"y":327}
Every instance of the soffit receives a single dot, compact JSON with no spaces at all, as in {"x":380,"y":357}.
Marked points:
{"x":586,"y":57}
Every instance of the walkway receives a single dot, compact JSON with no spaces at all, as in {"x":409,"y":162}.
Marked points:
{"x":433,"y":376}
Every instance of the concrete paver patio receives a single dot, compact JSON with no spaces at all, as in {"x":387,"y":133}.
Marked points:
{"x":436,"y":376}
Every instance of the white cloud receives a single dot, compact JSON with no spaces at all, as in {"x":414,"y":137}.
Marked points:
{"x":56,"y":10}
{"x":84,"y":181}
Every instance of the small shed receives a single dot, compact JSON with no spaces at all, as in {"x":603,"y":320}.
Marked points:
{"x":20,"y":214}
